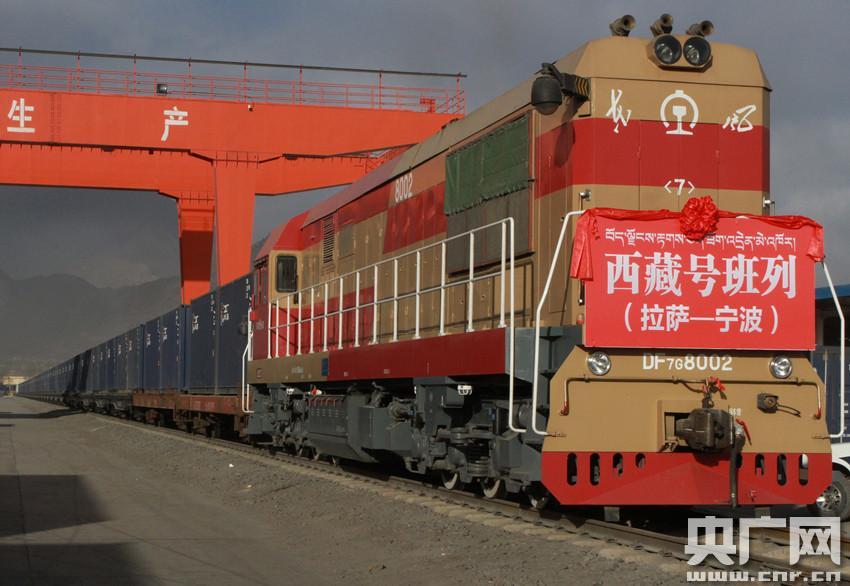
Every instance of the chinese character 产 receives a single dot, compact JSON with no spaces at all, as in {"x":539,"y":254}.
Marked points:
{"x":173,"y":117}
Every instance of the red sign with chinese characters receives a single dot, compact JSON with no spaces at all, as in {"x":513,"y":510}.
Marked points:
{"x":749,"y":284}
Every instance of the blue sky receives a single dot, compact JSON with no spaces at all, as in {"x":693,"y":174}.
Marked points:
{"x":118,"y":238}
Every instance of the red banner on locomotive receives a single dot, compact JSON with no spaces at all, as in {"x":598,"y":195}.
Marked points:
{"x":749,"y":284}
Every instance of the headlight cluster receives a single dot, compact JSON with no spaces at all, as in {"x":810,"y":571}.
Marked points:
{"x":668,"y":49}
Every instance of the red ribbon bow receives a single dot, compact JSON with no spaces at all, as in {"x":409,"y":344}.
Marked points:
{"x":699,"y":217}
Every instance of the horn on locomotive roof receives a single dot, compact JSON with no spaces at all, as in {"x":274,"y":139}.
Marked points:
{"x":662,"y":26}
{"x":622,"y":26}
{"x":701,"y":29}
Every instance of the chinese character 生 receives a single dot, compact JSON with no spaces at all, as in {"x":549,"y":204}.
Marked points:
{"x":19,"y":113}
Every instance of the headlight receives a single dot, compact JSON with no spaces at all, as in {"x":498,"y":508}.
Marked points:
{"x":599,"y":363}
{"x":781,"y":367}
{"x":667,"y":49}
{"x":697,"y":51}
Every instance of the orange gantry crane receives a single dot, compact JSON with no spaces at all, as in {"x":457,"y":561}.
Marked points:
{"x":211,"y":142}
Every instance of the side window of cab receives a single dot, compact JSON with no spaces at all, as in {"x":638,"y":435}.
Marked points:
{"x":261,"y":279}
{"x":286,"y":274}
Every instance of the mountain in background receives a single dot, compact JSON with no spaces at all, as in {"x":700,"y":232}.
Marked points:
{"x":44,"y":320}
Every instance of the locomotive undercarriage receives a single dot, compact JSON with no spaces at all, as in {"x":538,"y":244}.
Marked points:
{"x":455,"y":428}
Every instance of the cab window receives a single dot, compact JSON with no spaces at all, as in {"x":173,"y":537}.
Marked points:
{"x":260,"y":280}
{"x":286,"y":274}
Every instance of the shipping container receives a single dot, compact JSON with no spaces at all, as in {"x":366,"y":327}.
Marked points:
{"x":231,"y":333}
{"x":201,"y":344}
{"x":150,"y":360}
{"x":101,"y":367}
{"x":110,"y":356}
{"x":85,"y":372}
{"x":135,"y":357}
{"x":120,"y":350}
{"x":94,"y":370}
{"x":171,"y":348}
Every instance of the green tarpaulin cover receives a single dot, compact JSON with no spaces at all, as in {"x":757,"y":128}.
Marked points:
{"x":491,"y":167}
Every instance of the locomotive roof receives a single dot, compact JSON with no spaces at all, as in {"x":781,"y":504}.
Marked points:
{"x":609,"y":57}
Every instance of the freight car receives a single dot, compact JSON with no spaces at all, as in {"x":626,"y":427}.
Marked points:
{"x":434,"y":313}
{"x":154,"y":370}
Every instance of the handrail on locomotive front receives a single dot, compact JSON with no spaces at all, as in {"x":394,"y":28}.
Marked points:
{"x":544,"y":294}
{"x":843,"y":393}
{"x":246,"y":356}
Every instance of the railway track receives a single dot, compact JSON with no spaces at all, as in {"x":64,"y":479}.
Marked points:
{"x":661,"y":536}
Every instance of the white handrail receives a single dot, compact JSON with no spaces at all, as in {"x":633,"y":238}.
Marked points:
{"x":396,"y":297}
{"x":511,"y":333}
{"x":245,"y":355}
{"x":843,"y":364}
{"x":506,"y":263}
{"x":543,"y":296}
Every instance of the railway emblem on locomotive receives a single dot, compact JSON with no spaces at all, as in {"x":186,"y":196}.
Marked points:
{"x":679,"y":104}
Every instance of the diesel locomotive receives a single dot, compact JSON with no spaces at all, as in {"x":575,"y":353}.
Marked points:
{"x":495,"y":305}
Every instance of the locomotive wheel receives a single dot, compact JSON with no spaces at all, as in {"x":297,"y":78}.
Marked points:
{"x":538,"y":497}
{"x":451,"y":480}
{"x":835,"y":500}
{"x":303,"y":452}
{"x":493,"y":488}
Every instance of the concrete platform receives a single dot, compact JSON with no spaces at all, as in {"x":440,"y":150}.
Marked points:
{"x":71,"y":512}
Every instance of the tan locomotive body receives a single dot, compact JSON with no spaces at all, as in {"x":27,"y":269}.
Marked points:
{"x":407,"y":317}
